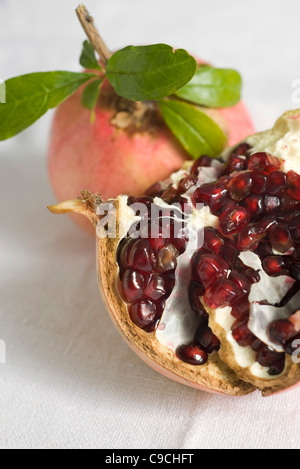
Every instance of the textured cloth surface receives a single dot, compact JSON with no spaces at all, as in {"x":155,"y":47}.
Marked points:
{"x":70,"y":381}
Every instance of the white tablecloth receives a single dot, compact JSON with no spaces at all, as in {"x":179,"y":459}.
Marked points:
{"x":70,"y":381}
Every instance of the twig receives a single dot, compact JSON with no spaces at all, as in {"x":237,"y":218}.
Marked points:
{"x":94,"y":37}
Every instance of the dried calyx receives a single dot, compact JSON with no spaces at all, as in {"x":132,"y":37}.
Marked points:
{"x":211,"y":297}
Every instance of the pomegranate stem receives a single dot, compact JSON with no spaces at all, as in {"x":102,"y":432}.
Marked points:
{"x":87,"y":22}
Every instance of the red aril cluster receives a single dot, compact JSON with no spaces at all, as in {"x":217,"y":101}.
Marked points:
{"x":258,"y":209}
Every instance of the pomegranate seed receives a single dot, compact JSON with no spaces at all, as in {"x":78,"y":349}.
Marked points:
{"x":250,"y":237}
{"x":197,"y":290}
{"x":167,"y":258}
{"x":138,"y":255}
{"x":281,"y":331}
{"x":277,"y":367}
{"x":133,"y":286}
{"x":203,"y":161}
{"x":221,"y":293}
{"x":235,"y":163}
{"x":192,"y":354}
{"x":140,"y":200}
{"x":254,"y":206}
{"x":241,"y":333}
{"x":158,"y":238}
{"x":169,"y":194}
{"x":264,"y":249}
{"x":294,"y":229}
{"x":266,"y":356}
{"x":214,"y":195}
{"x":257,"y":344}
{"x":155,"y":190}
{"x":293,"y":345}
{"x":155,"y":287}
{"x":240,"y":186}
{"x":241,"y":149}
{"x":263,"y":162}
{"x":210,"y":268}
{"x":276,"y":182}
{"x":252,"y":275}
{"x":233,"y":220}
{"x":274,"y":266}
{"x":179,"y":236}
{"x":143,"y":313}
{"x":207,"y":340}
{"x":293,"y":181}
{"x":259,"y":183}
{"x":280,"y":238}
{"x":213,"y":240}
{"x":229,"y":252}
{"x":240,"y":281}
{"x":288,"y":204}
{"x":186,"y":183}
{"x":240,"y":308}
{"x":271,"y":203}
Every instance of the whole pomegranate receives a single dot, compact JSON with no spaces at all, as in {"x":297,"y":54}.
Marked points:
{"x":126,"y":149}
{"x":202,"y":275}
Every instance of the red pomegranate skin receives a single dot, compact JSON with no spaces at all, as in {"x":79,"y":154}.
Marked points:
{"x":104,"y":159}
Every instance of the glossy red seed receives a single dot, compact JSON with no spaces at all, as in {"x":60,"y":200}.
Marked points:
{"x":272,"y":204}
{"x":192,"y":354}
{"x":294,"y":229}
{"x":257,"y":344}
{"x":289,"y":204}
{"x":233,"y":220}
{"x":259,"y":183}
{"x":241,"y":149}
{"x":143,"y":313}
{"x":280,"y":238}
{"x":203,"y":161}
{"x":213,"y":240}
{"x":240,"y":186}
{"x":210,"y":268}
{"x":139,"y":255}
{"x":263,"y":162}
{"x":235,"y":163}
{"x":252,"y":275}
{"x":240,"y":308}
{"x":133,"y":284}
{"x":229,"y":252}
{"x":250,"y":237}
{"x":277,"y":367}
{"x":293,"y":182}
{"x":167,"y":258}
{"x":276,"y":182}
{"x":266,"y":356}
{"x":221,"y":293}
{"x":240,"y":281}
{"x":155,"y":287}
{"x":186,"y":183}
{"x":254,"y":206}
{"x":155,"y":190}
{"x":169,"y":195}
{"x":241,"y":333}
{"x":214,"y":195}
{"x":281,"y":331}
{"x":274,"y":266}
{"x":207,"y":340}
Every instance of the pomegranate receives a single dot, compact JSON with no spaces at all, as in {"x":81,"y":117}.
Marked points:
{"x":211,"y":297}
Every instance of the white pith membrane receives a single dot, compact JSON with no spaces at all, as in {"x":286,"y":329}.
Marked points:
{"x":179,"y":323}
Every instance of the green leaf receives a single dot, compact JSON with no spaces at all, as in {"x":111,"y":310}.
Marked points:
{"x":28,"y":97}
{"x":197,"y":132}
{"x":88,"y":58}
{"x":149,"y":72}
{"x":91,"y":93}
{"x":213,"y":87}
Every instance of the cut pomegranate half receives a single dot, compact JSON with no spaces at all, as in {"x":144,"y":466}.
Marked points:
{"x":202,"y":275}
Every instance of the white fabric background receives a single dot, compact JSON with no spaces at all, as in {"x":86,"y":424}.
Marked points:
{"x":70,"y":381}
